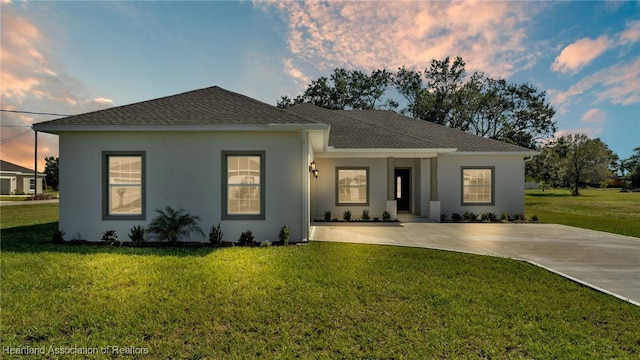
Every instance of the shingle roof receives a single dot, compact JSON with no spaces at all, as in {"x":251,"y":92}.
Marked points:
{"x":209,"y":106}
{"x":386,"y":129}
{"x":363,"y":129}
{"x":11,"y":167}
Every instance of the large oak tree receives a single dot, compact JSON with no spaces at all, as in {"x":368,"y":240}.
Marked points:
{"x":443,"y":94}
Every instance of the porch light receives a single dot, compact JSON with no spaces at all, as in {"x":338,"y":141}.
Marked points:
{"x":313,"y":168}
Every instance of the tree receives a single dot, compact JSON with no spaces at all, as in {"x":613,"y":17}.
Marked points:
{"x":583,"y":160}
{"x":632,"y":165}
{"x":346,"y":90}
{"x":51,"y":171}
{"x":545,"y":167}
{"x":443,"y":94}
{"x":479,"y":104}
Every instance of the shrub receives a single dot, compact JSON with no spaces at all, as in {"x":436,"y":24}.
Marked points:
{"x":265,"y":243}
{"x":386,"y":216}
{"x":469,"y":216}
{"x":284,"y":235}
{"x":215,"y":235}
{"x":136,"y":234}
{"x":41,"y":196}
{"x":456,"y":217}
{"x":58,"y":236}
{"x":327,"y":215}
{"x":246,"y":238}
{"x":488,"y":217}
{"x":346,"y":215}
{"x":534,"y":218}
{"x":365,"y":215}
{"x":519,"y":218}
{"x":110,"y":238}
{"x":171,"y":225}
{"x":504,"y":217}
{"x":443,"y":216}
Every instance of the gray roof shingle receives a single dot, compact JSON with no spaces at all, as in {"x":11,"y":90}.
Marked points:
{"x":11,"y":167}
{"x":386,"y":129}
{"x":355,"y":129}
{"x":209,"y":106}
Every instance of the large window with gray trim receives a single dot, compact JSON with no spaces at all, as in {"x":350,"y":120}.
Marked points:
{"x":352,"y":186}
{"x":243,"y":190}
{"x":478,"y":185}
{"x":123,"y":196}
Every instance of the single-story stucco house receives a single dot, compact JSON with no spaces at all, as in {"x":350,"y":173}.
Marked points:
{"x":231,"y":159}
{"x":16,"y":179}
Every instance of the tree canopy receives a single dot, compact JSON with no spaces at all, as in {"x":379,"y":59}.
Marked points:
{"x":574,"y":159}
{"x":443,"y":94}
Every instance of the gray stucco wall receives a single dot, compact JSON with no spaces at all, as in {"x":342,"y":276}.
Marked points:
{"x":183,"y":170}
{"x":509,"y":180}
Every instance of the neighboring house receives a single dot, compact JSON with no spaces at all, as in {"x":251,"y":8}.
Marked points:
{"x":231,"y":159}
{"x":16,"y":179}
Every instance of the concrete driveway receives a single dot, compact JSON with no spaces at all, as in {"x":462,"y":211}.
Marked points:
{"x":604,"y":261}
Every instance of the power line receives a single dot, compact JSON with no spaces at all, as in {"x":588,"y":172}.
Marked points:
{"x":11,"y":138}
{"x":32,"y":112}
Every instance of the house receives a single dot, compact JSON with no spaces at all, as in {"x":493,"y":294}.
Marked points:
{"x":16,"y":179}
{"x":231,"y":159}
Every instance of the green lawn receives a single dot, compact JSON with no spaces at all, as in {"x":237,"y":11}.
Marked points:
{"x":322,"y":300}
{"x":606,"y":210}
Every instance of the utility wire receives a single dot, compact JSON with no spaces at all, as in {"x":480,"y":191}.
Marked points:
{"x":11,"y":138}
{"x":32,"y":112}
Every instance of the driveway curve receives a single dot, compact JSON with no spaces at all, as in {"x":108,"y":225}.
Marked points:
{"x":607,"y":262}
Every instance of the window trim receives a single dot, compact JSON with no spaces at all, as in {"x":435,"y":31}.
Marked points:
{"x":105,"y":186}
{"x":493,"y":186}
{"x":337,"y":186}
{"x":225,"y":186}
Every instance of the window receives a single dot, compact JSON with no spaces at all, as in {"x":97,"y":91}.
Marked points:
{"x":352,"y":186}
{"x":477,"y":186}
{"x":32,"y":185}
{"x":124,"y":185}
{"x":243,"y":185}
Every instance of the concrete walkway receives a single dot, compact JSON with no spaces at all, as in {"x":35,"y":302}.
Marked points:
{"x":607,"y":262}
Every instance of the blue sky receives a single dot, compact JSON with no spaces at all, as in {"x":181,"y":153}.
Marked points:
{"x":73,"y":57}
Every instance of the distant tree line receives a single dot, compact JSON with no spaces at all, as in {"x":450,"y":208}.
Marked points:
{"x":444,"y":94}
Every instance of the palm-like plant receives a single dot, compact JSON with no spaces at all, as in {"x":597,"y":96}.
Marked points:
{"x":171,"y":225}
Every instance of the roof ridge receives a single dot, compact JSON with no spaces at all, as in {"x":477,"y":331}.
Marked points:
{"x":391,"y":129}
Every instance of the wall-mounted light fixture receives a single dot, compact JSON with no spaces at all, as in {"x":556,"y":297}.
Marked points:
{"x":313,"y":168}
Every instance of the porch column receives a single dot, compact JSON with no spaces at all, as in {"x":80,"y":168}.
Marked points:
{"x":434,"y":204}
{"x":391,"y":204}
{"x":390,"y":179}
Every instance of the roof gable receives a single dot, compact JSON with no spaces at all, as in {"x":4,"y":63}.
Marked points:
{"x":11,"y":167}
{"x":208,"y":106}
{"x":390,"y":130}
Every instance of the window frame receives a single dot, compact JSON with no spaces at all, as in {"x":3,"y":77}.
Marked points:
{"x":225,"y":186}
{"x":106,"y":215}
{"x":493,"y":186}
{"x":367,"y":185}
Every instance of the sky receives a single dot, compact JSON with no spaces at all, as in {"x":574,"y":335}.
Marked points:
{"x":71,"y":57}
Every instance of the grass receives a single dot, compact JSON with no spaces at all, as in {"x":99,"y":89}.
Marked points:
{"x":323,"y":300}
{"x":605,"y":210}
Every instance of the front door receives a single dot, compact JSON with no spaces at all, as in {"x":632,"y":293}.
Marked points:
{"x":403,"y":189}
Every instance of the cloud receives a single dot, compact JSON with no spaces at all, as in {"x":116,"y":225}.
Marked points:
{"x":631,"y":34}
{"x":32,"y":80}
{"x":594,"y":116}
{"x":577,"y":55}
{"x":617,"y":84}
{"x":490,"y":37}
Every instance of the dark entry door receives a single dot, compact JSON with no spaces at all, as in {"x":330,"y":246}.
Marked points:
{"x":403,"y":189}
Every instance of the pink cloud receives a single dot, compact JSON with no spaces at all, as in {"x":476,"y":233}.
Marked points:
{"x":370,"y":35}
{"x":617,"y":84}
{"x":32,"y":80}
{"x":577,"y":55}
{"x":631,"y":34}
